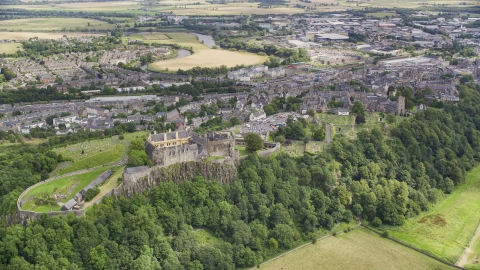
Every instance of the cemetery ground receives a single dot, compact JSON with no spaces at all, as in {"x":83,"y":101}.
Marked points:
{"x":346,"y":124}
{"x":49,"y":195}
{"x":447,"y":228}
{"x":361,"y":249}
{"x":54,"y":24}
{"x":89,"y":154}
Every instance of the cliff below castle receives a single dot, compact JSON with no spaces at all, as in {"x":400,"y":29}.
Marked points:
{"x":137,"y":182}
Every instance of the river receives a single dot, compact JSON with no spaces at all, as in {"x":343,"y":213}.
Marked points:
{"x":183,"y":53}
{"x":207,"y":40}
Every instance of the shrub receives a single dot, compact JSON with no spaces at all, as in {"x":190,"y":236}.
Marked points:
{"x":376,"y":222}
{"x":384,"y":234}
{"x":91,"y":193}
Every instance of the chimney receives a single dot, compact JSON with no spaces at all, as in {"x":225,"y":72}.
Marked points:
{"x":154,"y":132}
{"x":169,"y":130}
{"x":164,"y":136}
{"x":176,"y":135}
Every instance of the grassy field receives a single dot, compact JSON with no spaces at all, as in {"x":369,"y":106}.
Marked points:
{"x":67,"y":187}
{"x":209,"y":58}
{"x":10,"y":47}
{"x":53,"y":24}
{"x":56,"y":35}
{"x":449,"y":226}
{"x":358,"y":249}
{"x":96,"y":152}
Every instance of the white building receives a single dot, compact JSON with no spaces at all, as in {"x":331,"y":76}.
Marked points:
{"x":257,"y":116}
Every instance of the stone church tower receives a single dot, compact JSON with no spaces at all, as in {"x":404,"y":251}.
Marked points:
{"x":401,"y":105}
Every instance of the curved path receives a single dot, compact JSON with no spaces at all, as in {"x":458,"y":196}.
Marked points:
{"x":121,"y":162}
{"x":463,"y":260}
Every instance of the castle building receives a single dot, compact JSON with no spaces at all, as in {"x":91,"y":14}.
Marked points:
{"x":170,"y":148}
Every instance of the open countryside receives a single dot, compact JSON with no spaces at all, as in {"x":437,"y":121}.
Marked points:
{"x":448,"y":227}
{"x":40,"y":35}
{"x":54,"y":24}
{"x":361,"y":249}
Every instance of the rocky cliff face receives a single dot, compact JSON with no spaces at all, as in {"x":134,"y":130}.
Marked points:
{"x":222,"y":173}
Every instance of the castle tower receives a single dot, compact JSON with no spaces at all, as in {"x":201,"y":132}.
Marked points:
{"x":401,"y":105}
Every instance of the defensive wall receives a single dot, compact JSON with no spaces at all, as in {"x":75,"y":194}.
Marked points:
{"x":223,"y":171}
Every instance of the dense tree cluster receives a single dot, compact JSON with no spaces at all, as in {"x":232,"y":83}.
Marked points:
{"x":35,"y":95}
{"x":45,"y":48}
{"x":290,"y":55}
{"x":137,"y":155}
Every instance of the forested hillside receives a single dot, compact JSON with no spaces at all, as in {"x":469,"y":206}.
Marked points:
{"x":384,"y":176}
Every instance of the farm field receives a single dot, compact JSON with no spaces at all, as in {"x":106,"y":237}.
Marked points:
{"x":403,"y":3}
{"x":360,"y":249}
{"x":209,"y":58}
{"x":448,"y":227}
{"x":95,"y":153}
{"x":228,"y":9}
{"x":56,"y":35}
{"x":65,"y":187}
{"x":10,"y":47}
{"x":53,"y":24}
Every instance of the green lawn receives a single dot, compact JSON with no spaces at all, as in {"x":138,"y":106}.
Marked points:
{"x":67,"y":186}
{"x":358,"y":249}
{"x":449,"y":226}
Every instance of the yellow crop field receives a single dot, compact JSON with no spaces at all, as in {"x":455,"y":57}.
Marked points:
{"x":10,"y":47}
{"x":209,"y":58}
{"x":358,"y":249}
{"x":56,"y":35}
{"x":53,"y":24}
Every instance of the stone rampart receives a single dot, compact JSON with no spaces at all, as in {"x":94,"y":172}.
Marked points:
{"x":270,"y":148}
